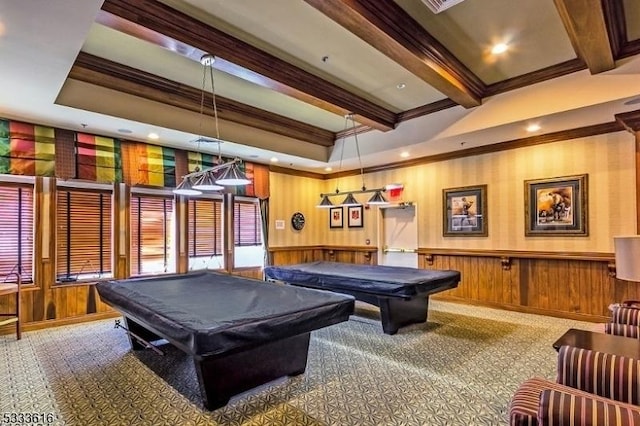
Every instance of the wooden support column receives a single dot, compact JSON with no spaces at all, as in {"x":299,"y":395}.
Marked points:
{"x":46,"y":256}
{"x":181,"y":226}
{"x":44,"y":265}
{"x":229,"y":236}
{"x":182,"y":234}
{"x":631,"y":122}
{"x":121,"y":230}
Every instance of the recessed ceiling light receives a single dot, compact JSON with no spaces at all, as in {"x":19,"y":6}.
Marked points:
{"x":499,"y":48}
{"x":327,"y":169}
{"x":274,"y":160}
{"x":404,"y":154}
{"x":401,"y":86}
{"x":153,"y":136}
{"x":126,"y":131}
{"x":533,"y":128}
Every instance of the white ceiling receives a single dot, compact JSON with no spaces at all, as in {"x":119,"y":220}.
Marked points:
{"x":40,"y":40}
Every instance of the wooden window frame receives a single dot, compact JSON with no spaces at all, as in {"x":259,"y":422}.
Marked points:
{"x":238,"y":234}
{"x":22,"y":223}
{"x":137,"y":245}
{"x":104,"y":273}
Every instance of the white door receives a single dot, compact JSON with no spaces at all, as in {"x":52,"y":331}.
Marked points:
{"x":399,"y":236}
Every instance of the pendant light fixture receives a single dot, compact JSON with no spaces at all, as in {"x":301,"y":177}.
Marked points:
{"x":350,"y":199}
{"x":223,"y":174}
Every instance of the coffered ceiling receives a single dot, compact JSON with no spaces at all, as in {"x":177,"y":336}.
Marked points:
{"x":288,"y":71}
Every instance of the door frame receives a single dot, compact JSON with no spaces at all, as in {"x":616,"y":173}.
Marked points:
{"x":380,"y":226}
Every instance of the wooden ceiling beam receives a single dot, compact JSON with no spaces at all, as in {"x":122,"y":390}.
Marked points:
{"x":630,"y":120}
{"x":101,"y":72}
{"x":155,"y":22}
{"x":584,"y":21}
{"x":613,"y":11}
{"x":389,"y":29}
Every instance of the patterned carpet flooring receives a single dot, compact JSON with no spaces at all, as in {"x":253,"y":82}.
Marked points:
{"x":460,"y":368}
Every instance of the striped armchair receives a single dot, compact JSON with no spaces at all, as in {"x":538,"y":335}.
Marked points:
{"x":591,"y":388}
{"x":625,"y":319}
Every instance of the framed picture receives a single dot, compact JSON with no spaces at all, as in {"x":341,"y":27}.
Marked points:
{"x":355,"y":218}
{"x":556,"y":206}
{"x":465,"y":211}
{"x":335,"y":217}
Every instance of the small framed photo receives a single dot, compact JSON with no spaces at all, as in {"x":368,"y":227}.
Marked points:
{"x":335,"y":217}
{"x":355,"y":219}
{"x":464,"y":211}
{"x":556,"y":206}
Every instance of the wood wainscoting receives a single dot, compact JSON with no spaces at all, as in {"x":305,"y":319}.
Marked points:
{"x":248,"y":272}
{"x":567,"y":285}
{"x":59,"y":305}
{"x":366,"y":255}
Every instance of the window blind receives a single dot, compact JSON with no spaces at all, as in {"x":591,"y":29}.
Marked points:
{"x":16,"y":229}
{"x":247,"y":224}
{"x":151,"y":220}
{"x":83,"y":238}
{"x":205,"y":227}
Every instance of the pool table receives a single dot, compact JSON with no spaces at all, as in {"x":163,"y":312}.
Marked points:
{"x":401,"y":293}
{"x":240,"y":332}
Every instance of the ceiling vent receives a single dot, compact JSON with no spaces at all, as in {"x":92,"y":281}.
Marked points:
{"x":438,"y":6}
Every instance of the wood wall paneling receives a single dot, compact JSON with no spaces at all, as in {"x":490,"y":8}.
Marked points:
{"x":571,"y":288}
{"x":255,"y":273}
{"x":293,"y":255}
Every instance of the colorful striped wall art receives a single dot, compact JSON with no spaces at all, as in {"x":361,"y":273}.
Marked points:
{"x":26,"y":149}
{"x":156,"y":165}
{"x":99,"y":158}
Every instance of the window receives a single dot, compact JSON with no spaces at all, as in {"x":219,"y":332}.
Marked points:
{"x":83,"y":239}
{"x":205,"y":234}
{"x":247,"y":230}
{"x":16,"y":228}
{"x":151,"y":225}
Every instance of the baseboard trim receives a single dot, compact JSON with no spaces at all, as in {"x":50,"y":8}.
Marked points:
{"x":39,"y":325}
{"x":525,"y":309}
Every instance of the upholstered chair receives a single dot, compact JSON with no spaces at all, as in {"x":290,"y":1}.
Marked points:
{"x":591,"y":388}
{"x":625,"y":319}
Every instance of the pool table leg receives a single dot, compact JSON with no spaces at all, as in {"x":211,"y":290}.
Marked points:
{"x":222,"y":376}
{"x":396,"y":312}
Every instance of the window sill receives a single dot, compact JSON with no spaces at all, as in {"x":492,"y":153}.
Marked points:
{"x":29,"y":287}
{"x":79,"y":282}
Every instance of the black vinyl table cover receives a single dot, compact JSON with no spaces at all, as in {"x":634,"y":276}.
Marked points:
{"x":208,"y":313}
{"x":375,"y":279}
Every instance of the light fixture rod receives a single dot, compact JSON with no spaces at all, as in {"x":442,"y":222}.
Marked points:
{"x":211,"y":169}
{"x":355,"y":136}
{"x":363,"y":191}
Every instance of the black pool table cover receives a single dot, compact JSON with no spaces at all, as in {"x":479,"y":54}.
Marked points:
{"x":209,"y":313}
{"x":393,"y":281}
